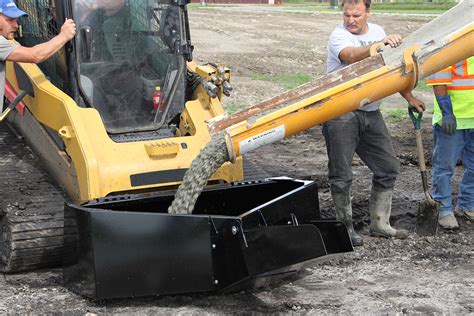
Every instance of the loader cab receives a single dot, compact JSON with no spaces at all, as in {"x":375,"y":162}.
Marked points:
{"x":128,"y":60}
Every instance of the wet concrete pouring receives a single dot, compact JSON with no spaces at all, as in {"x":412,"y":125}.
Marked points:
{"x":428,"y":275}
{"x":211,"y":157}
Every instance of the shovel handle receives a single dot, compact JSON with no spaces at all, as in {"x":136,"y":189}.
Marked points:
{"x":421,"y":153}
{"x":12,"y":105}
{"x":4,"y":114}
{"x":416,"y":119}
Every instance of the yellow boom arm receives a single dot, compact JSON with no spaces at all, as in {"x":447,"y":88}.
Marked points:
{"x":439,"y":44}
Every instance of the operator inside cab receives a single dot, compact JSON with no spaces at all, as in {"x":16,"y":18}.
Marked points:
{"x":123,"y":60}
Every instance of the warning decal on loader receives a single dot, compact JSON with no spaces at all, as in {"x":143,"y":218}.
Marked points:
{"x":259,"y":140}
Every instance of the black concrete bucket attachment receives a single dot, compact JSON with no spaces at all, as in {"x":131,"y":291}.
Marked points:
{"x":240,"y":236}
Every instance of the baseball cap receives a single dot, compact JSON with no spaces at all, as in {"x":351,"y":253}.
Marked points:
{"x":9,"y":8}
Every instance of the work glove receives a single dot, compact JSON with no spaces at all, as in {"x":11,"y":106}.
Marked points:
{"x":449,"y":120}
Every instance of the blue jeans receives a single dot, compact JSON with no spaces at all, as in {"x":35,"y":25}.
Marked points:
{"x":447,"y":150}
{"x":366,"y":134}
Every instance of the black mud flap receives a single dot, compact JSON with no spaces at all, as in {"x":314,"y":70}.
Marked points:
{"x":240,"y":236}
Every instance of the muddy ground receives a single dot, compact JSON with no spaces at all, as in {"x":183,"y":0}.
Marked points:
{"x":420,"y":275}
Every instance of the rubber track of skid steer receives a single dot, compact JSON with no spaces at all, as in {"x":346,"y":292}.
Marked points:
{"x":31,"y":209}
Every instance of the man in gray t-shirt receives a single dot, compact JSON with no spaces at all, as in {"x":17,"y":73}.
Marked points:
{"x":6,"y":47}
{"x":9,"y":13}
{"x":362,"y":131}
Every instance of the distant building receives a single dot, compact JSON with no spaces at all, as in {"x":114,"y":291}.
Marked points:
{"x":332,"y":3}
{"x":235,"y":1}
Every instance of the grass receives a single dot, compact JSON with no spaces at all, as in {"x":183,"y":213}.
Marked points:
{"x":422,"y":86}
{"x":417,"y":6}
{"x":414,"y":6}
{"x":232,"y":107}
{"x":396,"y":115}
{"x":286,"y":80}
{"x":210,"y":5}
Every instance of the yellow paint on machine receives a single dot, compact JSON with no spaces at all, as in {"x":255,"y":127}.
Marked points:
{"x":102,"y":166}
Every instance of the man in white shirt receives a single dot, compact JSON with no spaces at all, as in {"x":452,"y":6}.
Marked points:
{"x":362,"y":131}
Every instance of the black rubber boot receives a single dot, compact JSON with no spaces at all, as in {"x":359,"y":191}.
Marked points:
{"x":343,"y":209}
{"x":380,"y":206}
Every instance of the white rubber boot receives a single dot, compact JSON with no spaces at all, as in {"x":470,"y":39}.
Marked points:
{"x":343,"y":209}
{"x":380,"y":206}
{"x":448,"y":221}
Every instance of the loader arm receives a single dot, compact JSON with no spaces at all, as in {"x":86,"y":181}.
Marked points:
{"x":425,"y":52}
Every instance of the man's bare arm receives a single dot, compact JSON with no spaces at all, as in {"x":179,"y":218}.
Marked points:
{"x":440,"y":90}
{"x":414,"y":101}
{"x":43,"y":51}
{"x":350,"y":55}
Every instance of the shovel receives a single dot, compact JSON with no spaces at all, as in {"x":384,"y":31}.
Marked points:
{"x":12,"y":106}
{"x":427,"y":217}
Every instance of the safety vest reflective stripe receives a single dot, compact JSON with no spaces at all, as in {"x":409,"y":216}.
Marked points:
{"x":438,"y":82}
{"x":457,"y":77}
{"x":443,"y":77}
{"x":460,"y":85}
{"x":460,"y":69}
{"x":463,"y":75}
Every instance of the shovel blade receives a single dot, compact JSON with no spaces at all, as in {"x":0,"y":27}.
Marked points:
{"x":427,"y":218}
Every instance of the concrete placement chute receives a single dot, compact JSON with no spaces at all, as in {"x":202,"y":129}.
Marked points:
{"x":427,"y":51}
